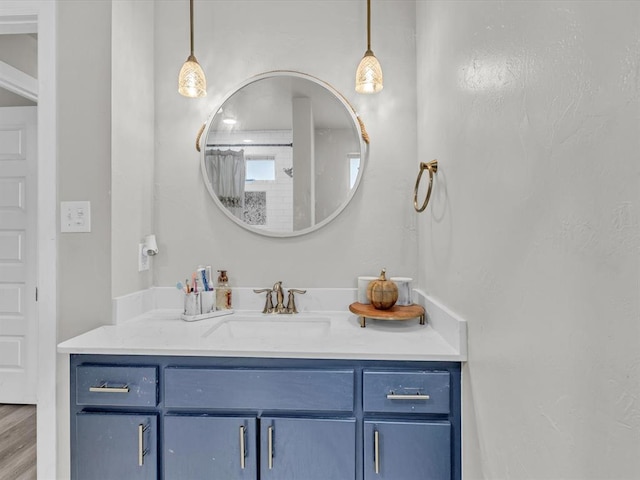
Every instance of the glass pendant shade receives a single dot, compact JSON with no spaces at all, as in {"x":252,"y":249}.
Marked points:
{"x":191,"y":81}
{"x":369,"y":74}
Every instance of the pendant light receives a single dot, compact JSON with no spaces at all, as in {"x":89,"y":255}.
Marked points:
{"x":369,"y":73}
{"x":191,"y":81}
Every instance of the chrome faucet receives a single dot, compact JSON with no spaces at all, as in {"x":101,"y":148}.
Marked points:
{"x":279,"y":306}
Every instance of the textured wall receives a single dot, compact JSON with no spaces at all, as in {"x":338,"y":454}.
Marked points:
{"x":234,"y":40}
{"x":132,"y":142}
{"x":84,"y":173}
{"x":532,"y":109}
{"x":237,"y":39}
{"x":84,"y":162}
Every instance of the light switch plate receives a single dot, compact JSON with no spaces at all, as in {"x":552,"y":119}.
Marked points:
{"x":75,"y":217}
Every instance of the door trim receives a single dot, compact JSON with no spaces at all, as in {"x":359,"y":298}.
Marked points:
{"x":47,"y":240}
{"x":26,"y":14}
{"x":18,"y":82}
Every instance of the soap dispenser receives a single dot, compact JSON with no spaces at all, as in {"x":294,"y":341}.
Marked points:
{"x":223,"y":292}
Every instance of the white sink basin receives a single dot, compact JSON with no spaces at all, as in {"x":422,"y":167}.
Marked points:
{"x":270,"y":327}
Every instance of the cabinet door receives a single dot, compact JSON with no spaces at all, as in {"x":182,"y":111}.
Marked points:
{"x":195,"y":448}
{"x":115,"y":446}
{"x":309,"y":449}
{"x":398,"y":450}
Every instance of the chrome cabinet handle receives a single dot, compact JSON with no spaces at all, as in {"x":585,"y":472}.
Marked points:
{"x":270,"y":441}
{"x":104,"y":388}
{"x":243,"y":451}
{"x":397,"y":396}
{"x":376,"y":450}
{"x":141,"y":450}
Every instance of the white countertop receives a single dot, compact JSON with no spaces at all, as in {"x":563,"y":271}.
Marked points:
{"x":321,"y":334}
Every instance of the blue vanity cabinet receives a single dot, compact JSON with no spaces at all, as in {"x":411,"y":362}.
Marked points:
{"x":116,"y":446}
{"x":407,"y":427}
{"x":190,"y":418}
{"x":199,"y":447}
{"x":116,"y":386}
{"x":273,"y":389}
{"x":308,"y":433}
{"x":114,"y":428}
{"x":400,"y":450}
{"x":307,"y":448}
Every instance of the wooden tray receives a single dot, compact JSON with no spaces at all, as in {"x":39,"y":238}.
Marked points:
{"x":394,"y":313}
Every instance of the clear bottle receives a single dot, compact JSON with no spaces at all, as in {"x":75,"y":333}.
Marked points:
{"x":223,"y":292}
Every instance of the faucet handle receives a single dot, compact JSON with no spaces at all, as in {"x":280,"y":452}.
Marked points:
{"x":268,"y":306}
{"x":291,"y":302}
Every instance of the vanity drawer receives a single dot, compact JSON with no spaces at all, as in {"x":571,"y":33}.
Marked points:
{"x":406,"y":392}
{"x":117,"y":386}
{"x":257,"y":389}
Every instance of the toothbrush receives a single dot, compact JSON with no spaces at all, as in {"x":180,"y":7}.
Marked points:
{"x":209,"y":281}
{"x":203,"y":276}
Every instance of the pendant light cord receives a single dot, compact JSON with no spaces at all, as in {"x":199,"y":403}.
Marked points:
{"x":368,"y":25}
{"x":191,"y":24}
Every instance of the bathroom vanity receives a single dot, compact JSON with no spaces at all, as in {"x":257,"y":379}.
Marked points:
{"x":318,"y":399}
{"x":248,"y":418}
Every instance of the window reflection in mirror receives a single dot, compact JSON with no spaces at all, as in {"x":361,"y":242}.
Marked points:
{"x":354,"y":168}
{"x":260,"y":168}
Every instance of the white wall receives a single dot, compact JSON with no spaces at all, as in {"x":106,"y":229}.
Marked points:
{"x":234,"y":40}
{"x":237,"y":39}
{"x":21,"y":52}
{"x":132,"y":142}
{"x":333,"y":168}
{"x":532,"y":109}
{"x":84,"y":168}
{"x":84,"y":173}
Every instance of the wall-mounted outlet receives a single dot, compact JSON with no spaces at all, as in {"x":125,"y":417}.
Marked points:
{"x":143,"y":258}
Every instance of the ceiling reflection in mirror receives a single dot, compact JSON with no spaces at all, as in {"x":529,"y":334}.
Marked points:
{"x":283,"y":154}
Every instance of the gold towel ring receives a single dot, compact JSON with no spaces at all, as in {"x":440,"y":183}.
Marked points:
{"x":432,"y":166}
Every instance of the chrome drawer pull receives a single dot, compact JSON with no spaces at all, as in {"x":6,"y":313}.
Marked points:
{"x":417,"y":396}
{"x":141,"y":450}
{"x":376,"y":450}
{"x":243,"y":452}
{"x":270,"y":441}
{"x":104,"y":388}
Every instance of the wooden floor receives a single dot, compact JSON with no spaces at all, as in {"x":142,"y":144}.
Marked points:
{"x":17,"y":442}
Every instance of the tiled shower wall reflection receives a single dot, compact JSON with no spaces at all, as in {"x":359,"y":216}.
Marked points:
{"x":277,"y":214}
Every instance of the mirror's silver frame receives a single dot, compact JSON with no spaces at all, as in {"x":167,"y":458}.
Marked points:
{"x":360,"y":128}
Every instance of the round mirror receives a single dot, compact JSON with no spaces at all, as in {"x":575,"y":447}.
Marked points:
{"x":283,"y":154}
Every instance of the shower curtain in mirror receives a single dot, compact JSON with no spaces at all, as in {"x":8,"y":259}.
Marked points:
{"x":226,"y":171}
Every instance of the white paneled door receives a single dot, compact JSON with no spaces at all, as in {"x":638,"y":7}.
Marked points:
{"x":18,"y":196}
